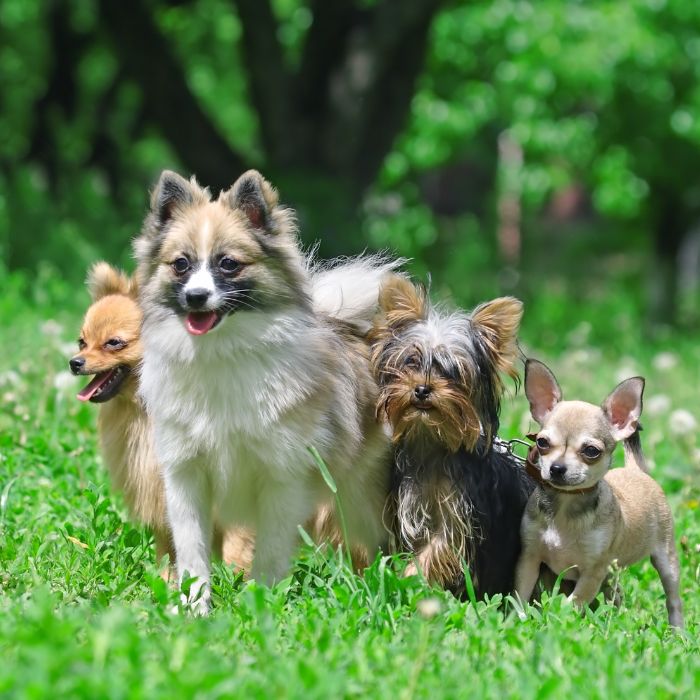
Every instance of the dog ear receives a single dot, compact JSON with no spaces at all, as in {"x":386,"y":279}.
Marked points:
{"x":623,"y":407}
{"x":255,"y":197}
{"x":173,"y":192}
{"x":103,"y":279}
{"x":498,"y":321}
{"x":401,"y":301}
{"x":541,"y":388}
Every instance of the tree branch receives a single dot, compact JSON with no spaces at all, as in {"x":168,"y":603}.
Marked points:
{"x":167,"y":100}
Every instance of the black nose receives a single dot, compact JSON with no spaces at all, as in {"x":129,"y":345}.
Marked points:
{"x":76,"y":364}
{"x":421,"y":392}
{"x":196,"y":298}
{"x":557,"y":469}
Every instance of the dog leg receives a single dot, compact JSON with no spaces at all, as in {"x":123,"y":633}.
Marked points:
{"x":280,"y":512}
{"x":189,"y":513}
{"x":164,"y":545}
{"x":665,"y":561}
{"x":588,"y":585}
{"x":527,"y":572}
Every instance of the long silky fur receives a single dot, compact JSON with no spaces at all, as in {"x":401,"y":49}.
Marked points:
{"x":454,"y":500}
{"x":235,"y":410}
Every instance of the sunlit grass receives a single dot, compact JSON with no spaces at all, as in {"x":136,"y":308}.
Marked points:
{"x":84,"y":612}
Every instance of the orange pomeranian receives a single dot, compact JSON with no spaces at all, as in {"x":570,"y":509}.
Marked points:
{"x":110,"y":349}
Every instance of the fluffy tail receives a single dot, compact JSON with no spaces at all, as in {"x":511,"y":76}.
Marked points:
{"x":634,"y":457}
{"x":348,"y":288}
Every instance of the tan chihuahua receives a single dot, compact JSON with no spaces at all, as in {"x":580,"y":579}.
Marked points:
{"x":582,"y":517}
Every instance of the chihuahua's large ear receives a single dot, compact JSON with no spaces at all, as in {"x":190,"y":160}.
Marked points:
{"x":173,"y":192}
{"x":541,"y":388}
{"x":255,"y":197}
{"x":623,"y":407}
{"x":103,"y":279}
{"x":498,"y":321}
{"x":401,"y":301}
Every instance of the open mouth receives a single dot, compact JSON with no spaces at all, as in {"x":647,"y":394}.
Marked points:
{"x":422,"y":405}
{"x":201,"y":322}
{"x":104,"y":385}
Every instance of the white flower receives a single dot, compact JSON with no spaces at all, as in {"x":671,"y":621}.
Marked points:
{"x":625,"y":372}
{"x":9,"y":378}
{"x":52,"y":328}
{"x":429,"y":607}
{"x":580,"y":334}
{"x":682,"y":422}
{"x":64,"y":381}
{"x":665,"y":361}
{"x":655,"y":405}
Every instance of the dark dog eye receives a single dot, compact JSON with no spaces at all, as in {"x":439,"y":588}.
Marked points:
{"x":412,"y":362}
{"x":229,"y":265}
{"x":82,"y":344}
{"x":181,"y":265}
{"x":591,"y":452}
{"x":114,"y":344}
{"x":542,"y":443}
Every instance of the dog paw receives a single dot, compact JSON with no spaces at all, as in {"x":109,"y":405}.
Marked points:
{"x":411,"y":570}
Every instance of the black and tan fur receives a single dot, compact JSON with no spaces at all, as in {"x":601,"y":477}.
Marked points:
{"x":455,"y":500}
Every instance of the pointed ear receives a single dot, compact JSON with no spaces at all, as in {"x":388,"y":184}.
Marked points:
{"x":170,"y":193}
{"x":255,"y":197}
{"x":499,"y":322}
{"x":623,"y":407}
{"x":541,"y":389}
{"x":401,"y":301}
{"x":103,"y":279}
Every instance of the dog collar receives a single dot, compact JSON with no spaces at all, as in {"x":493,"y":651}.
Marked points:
{"x":533,"y":457}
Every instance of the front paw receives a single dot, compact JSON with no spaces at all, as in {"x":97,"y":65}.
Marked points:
{"x":197,"y":599}
{"x":411,"y":570}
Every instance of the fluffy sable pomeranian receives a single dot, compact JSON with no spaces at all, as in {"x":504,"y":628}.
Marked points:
{"x":110,"y":349}
{"x":244,"y":369}
{"x":454,"y":497}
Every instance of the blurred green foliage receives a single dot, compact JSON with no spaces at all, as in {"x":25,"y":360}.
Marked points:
{"x":600,"y":95}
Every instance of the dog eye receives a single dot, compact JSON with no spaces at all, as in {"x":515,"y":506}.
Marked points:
{"x":81,"y":344}
{"x":412,"y":362}
{"x":228,"y":265}
{"x":591,"y":452}
{"x":542,"y":443}
{"x":114,"y":344}
{"x":180,"y":265}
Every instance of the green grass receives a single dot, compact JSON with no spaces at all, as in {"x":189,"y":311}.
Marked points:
{"x":83,"y":612}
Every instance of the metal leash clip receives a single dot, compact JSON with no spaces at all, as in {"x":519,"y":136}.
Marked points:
{"x":508,"y":447}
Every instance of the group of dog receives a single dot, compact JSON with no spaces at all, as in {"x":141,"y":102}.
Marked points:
{"x":231,"y":360}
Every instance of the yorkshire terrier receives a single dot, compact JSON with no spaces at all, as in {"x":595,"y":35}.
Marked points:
{"x":251,"y":356}
{"x":456,"y":499}
{"x":109,"y":347}
{"x":583,"y":516}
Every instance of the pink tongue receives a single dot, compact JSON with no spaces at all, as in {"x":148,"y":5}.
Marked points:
{"x":99,"y":379}
{"x":201,"y":322}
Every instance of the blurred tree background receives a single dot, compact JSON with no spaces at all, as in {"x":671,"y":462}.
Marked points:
{"x":548,"y":148}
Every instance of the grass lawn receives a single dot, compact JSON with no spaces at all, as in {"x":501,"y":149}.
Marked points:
{"x":83,"y":612}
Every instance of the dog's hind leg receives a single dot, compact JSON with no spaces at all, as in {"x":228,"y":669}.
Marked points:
{"x":665,"y":561}
{"x":281,"y":509}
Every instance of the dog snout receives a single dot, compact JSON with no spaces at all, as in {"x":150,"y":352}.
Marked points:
{"x":422,"y":392}
{"x":198,"y":297}
{"x":76,"y":364}
{"x":557,"y":469}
